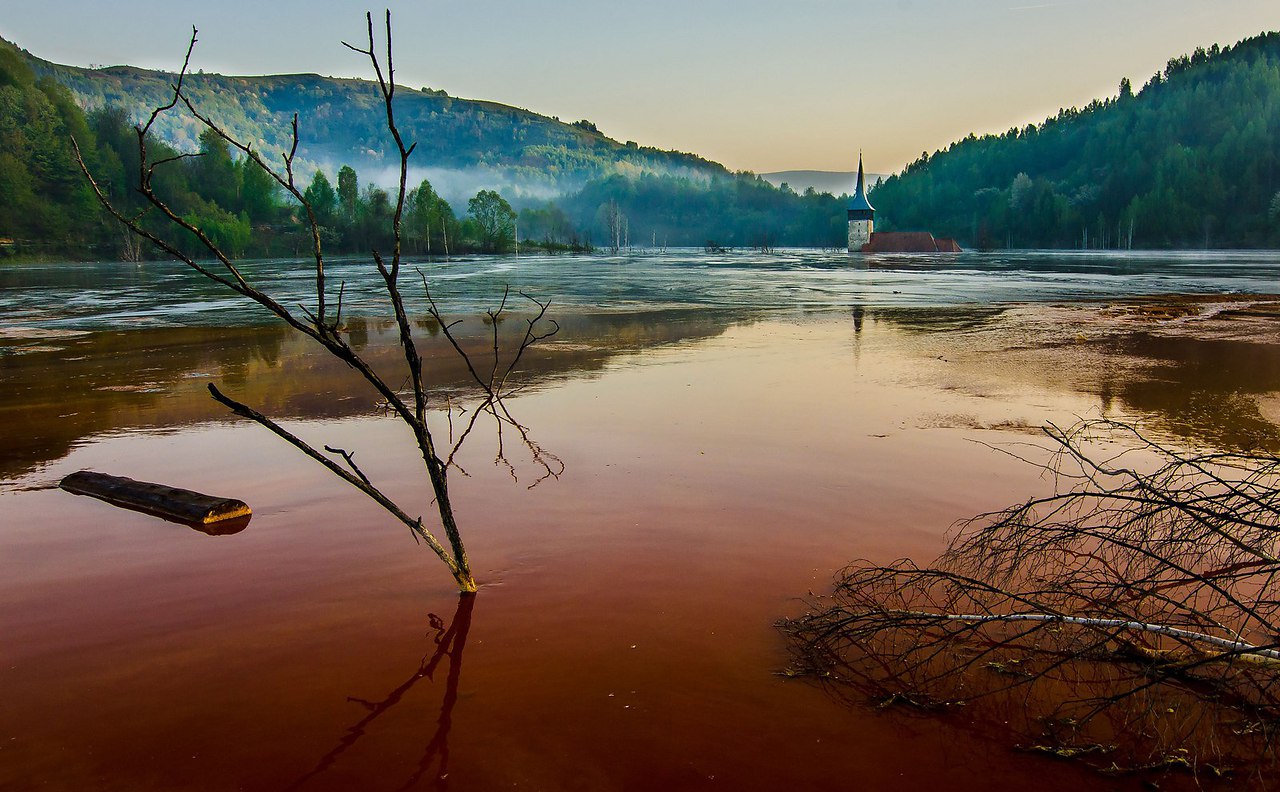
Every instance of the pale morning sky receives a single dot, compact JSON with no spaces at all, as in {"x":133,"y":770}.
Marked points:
{"x":755,"y":84}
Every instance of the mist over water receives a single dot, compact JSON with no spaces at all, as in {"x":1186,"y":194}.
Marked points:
{"x":521,"y":186}
{"x":118,"y":295}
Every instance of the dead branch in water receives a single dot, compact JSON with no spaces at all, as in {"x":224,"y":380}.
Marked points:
{"x":1131,"y":618}
{"x":410,"y":402}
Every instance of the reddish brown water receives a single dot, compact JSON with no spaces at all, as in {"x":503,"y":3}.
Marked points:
{"x":623,"y":638}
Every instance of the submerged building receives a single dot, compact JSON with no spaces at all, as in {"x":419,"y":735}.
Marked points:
{"x":863,"y":237}
{"x":862,"y":215}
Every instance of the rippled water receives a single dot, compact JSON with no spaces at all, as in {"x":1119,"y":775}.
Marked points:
{"x":102,"y":295}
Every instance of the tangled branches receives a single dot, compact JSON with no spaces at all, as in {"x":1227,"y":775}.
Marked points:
{"x":1131,"y":617}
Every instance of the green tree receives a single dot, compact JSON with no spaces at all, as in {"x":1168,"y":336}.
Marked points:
{"x":494,"y":221}
{"x":324,"y":201}
{"x":258,"y":193}
{"x":375,"y":218}
{"x":215,"y":172}
{"x":430,"y":221}
{"x":348,"y":193}
{"x":43,"y":197}
{"x":231,"y":233}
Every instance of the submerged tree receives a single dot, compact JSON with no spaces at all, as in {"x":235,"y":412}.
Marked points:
{"x":322,"y":320}
{"x":1131,"y":617}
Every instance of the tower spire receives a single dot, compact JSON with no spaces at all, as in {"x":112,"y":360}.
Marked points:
{"x":861,"y":213}
{"x":859,"y":202}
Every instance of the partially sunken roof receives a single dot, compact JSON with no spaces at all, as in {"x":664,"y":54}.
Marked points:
{"x":909,"y":242}
{"x":859,"y":202}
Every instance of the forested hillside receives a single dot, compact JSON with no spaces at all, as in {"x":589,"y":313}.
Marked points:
{"x":569,"y":187}
{"x":733,"y":211}
{"x":42,"y":192}
{"x":1191,"y":160}
{"x":340,"y":123}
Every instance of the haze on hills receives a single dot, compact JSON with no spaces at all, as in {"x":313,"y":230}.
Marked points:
{"x":834,"y":182}
{"x":469,"y":144}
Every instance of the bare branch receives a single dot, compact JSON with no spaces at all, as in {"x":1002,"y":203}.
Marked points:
{"x":317,"y":324}
{"x":350,"y":459}
{"x":1139,"y":599}
{"x":359,"y":482}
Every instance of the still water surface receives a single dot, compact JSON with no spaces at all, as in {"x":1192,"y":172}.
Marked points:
{"x":730,"y":441}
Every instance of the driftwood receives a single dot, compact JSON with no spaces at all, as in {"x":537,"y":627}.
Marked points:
{"x":206,"y":512}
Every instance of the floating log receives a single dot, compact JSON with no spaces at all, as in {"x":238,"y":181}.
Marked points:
{"x":202,"y":512}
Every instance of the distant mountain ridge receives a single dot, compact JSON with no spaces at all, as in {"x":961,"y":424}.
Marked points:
{"x":465,"y":141}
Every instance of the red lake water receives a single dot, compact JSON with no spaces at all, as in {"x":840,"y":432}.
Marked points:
{"x":716,"y":471}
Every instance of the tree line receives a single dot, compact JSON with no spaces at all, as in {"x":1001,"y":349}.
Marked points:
{"x":47,"y":208}
{"x":342,"y":124}
{"x":1190,"y":160}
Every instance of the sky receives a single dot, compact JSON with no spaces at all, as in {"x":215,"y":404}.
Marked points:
{"x":761,"y":85}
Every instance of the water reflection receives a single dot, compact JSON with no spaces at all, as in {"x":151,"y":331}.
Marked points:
{"x":221,"y":527}
{"x":664,"y":458}
{"x":58,"y":392}
{"x":1206,"y":389}
{"x":941,"y":319}
{"x":55,"y":395}
{"x":449,"y":643}
{"x":1206,"y":382}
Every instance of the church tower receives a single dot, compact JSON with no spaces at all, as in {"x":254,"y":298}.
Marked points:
{"x":862,"y":215}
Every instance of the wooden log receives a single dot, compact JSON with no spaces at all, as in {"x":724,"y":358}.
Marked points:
{"x":177,"y":505}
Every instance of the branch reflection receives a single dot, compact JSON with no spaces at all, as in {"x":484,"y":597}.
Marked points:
{"x":449,"y":643}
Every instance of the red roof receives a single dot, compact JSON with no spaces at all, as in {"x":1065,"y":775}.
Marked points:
{"x":909,"y":242}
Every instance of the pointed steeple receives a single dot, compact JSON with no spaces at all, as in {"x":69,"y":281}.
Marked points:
{"x":859,"y":202}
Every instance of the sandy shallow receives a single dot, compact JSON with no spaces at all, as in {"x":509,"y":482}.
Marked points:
{"x":716,"y":470}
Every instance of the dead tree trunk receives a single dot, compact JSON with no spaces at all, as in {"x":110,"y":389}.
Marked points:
{"x":322,"y":320}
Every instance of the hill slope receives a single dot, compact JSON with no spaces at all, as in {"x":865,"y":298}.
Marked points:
{"x":604,"y":190}
{"x":1191,"y":160}
{"x":341,"y":123}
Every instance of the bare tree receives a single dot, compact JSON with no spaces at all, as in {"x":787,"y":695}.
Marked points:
{"x":614,"y":221}
{"x":1130,"y":618}
{"x":322,"y":322}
